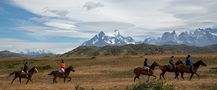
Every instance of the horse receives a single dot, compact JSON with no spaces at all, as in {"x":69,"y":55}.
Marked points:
{"x":21,"y":75}
{"x":62,"y":75}
{"x":166,"y":68}
{"x":184,"y":69}
{"x":140,"y":70}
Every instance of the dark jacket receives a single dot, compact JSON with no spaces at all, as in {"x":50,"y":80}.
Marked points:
{"x":188,"y":61}
{"x":146,"y":63}
{"x":26,"y":67}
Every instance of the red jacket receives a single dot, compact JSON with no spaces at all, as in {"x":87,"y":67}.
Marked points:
{"x":62,"y":65}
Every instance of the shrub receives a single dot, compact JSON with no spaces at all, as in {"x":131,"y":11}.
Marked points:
{"x":45,"y":67}
{"x":77,"y":87}
{"x":150,"y":85}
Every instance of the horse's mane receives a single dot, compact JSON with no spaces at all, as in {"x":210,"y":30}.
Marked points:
{"x":196,"y":63}
{"x":68,"y":68}
{"x":31,"y":69}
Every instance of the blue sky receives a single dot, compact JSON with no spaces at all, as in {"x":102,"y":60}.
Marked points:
{"x":60,"y":26}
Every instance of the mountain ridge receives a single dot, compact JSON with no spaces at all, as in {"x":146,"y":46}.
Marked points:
{"x":198,"y":37}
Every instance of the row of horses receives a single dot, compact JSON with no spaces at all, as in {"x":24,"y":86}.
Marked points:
{"x":33,"y":70}
{"x":179,"y":68}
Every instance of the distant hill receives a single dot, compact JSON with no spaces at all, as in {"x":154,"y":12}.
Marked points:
{"x":7,"y":53}
{"x":139,"y":49}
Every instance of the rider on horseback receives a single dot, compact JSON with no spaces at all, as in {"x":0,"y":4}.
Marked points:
{"x":146,"y":66}
{"x":26,"y":68}
{"x":62,"y":66}
{"x":188,"y":62}
{"x":171,"y":62}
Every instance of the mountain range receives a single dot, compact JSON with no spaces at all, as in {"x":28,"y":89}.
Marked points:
{"x":24,"y":53}
{"x":36,"y":52}
{"x":199,"y":37}
{"x":102,"y":39}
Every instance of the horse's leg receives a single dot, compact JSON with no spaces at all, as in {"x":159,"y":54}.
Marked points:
{"x":163,"y":75}
{"x":64,"y":79}
{"x":69,"y":79}
{"x":20,"y":79}
{"x":197,"y":75}
{"x":182,"y":74}
{"x":148,"y":78}
{"x":13,"y":80}
{"x":176,"y":75}
{"x":30,"y":80}
{"x":54,"y":79}
{"x":191,"y":76}
{"x":137,"y":76}
{"x":27,"y":81}
{"x":154,"y":77}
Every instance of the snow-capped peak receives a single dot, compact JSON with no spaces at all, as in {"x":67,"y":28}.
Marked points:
{"x":102,"y":40}
{"x":35,"y":52}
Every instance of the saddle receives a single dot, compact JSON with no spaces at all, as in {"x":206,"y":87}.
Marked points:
{"x":189,"y":67}
{"x":170,"y":66}
{"x":22,"y":72}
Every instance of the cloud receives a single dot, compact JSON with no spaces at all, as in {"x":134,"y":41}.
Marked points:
{"x":195,"y":14}
{"x":136,"y":18}
{"x":103,"y":26}
{"x":61,"y":13}
{"x":92,"y":5}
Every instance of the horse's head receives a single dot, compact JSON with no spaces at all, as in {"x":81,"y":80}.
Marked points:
{"x":200,"y":62}
{"x":72,"y":69}
{"x":179,"y":62}
{"x":35,"y":69}
{"x":155,"y":64}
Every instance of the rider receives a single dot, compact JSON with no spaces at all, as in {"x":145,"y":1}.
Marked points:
{"x":171,"y":62}
{"x":62,"y":66}
{"x":26,"y":68}
{"x":146,"y":66}
{"x":188,"y":62}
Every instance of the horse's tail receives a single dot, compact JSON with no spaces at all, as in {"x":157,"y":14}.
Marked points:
{"x":12,"y":73}
{"x":51,"y":73}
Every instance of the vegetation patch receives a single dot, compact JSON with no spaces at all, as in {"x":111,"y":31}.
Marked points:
{"x":150,"y":85}
{"x":44,"y":67}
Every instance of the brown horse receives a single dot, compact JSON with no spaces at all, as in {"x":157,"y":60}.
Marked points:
{"x":184,"y":69}
{"x":22,"y":75}
{"x":62,"y":75}
{"x":140,"y":70}
{"x":166,"y":68}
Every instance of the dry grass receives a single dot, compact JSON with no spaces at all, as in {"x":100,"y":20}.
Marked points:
{"x":105,"y":73}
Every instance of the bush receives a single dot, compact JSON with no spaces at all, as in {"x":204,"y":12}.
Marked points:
{"x":45,"y":67}
{"x":150,"y":85}
{"x":77,"y":87}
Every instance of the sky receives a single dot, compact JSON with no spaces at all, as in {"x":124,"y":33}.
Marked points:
{"x":62,"y":25}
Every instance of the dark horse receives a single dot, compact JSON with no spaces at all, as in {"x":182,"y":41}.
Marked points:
{"x":167,"y":68}
{"x":62,"y":75}
{"x":22,"y":75}
{"x":140,"y":70}
{"x":184,"y":69}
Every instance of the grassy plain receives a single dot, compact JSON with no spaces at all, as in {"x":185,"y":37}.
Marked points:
{"x":105,"y":73}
